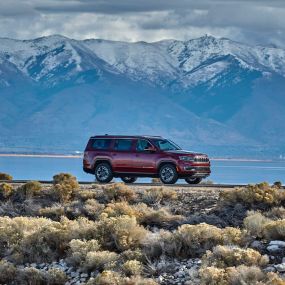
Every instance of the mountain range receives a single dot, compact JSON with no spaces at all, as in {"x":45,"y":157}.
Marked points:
{"x":208,"y":94}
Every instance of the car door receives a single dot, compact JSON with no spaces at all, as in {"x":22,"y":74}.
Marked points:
{"x":122,"y":155}
{"x":145,"y":160}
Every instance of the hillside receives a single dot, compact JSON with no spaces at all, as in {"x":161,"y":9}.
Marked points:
{"x":216,"y":94}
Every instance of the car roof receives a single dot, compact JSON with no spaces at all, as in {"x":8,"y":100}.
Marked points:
{"x":124,"y":137}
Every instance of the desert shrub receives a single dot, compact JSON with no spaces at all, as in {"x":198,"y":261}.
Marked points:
{"x":119,"y":192}
{"x":86,"y":194}
{"x":196,"y":239}
{"x":92,"y":209}
{"x":277,"y":184}
{"x":255,"y":222}
{"x":54,"y":212}
{"x":5,"y":176}
{"x":157,"y":195}
{"x":7,"y":272}
{"x":275,"y":213}
{"x":31,"y":276}
{"x":132,"y":267}
{"x":38,"y":239}
{"x":79,"y":249}
{"x":226,"y":256}
{"x":114,"y":278}
{"x":99,"y":260}
{"x":120,"y":233}
{"x":136,"y":254}
{"x":121,"y":208}
{"x":190,"y":240}
{"x":274,"y":230}
{"x":56,"y":277}
{"x":161,"y":217}
{"x":145,"y":215}
{"x":6,"y":191}
{"x":240,"y":275}
{"x":30,"y":189}
{"x":260,"y":194}
{"x":65,"y":186}
{"x":106,"y":278}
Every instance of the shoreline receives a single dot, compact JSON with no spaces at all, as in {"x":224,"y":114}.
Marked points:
{"x":77,"y":156}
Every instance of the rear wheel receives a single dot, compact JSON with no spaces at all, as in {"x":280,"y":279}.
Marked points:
{"x":168,"y":174}
{"x":128,"y":179}
{"x":103,"y":172}
{"x":190,"y":180}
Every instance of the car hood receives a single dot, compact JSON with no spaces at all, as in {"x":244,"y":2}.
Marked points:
{"x":184,"y":152}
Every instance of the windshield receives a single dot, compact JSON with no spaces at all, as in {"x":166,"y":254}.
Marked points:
{"x":164,"y":144}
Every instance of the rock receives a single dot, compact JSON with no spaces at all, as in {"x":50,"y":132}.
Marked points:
{"x":84,"y":275}
{"x":279,"y":243}
{"x":273,"y":248}
{"x":283,"y":260}
{"x":270,"y":269}
{"x":280,"y":267}
{"x":256,"y":244}
{"x":74,"y":274}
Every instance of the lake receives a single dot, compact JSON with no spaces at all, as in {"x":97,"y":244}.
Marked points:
{"x":230,"y":171}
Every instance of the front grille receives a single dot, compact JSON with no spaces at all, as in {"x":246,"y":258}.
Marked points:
{"x":201,"y":159}
{"x":202,"y":169}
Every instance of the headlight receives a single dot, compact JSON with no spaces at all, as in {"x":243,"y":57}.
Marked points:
{"x":186,"y":158}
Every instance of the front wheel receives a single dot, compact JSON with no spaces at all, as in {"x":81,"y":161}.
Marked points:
{"x":128,"y":180}
{"x":103,"y":173}
{"x":168,"y":174}
{"x":190,"y":180}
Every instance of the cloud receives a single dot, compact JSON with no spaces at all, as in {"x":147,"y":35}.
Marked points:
{"x":251,"y":21}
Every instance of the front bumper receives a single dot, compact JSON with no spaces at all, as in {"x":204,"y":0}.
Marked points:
{"x":189,"y":170}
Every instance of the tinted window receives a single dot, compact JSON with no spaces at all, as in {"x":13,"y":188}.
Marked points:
{"x":101,"y":144}
{"x":165,"y":144}
{"x":142,"y":145}
{"x":123,"y":144}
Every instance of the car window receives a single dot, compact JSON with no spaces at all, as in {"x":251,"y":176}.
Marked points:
{"x":101,"y":144}
{"x":123,"y":144}
{"x":163,"y":144}
{"x":142,"y":145}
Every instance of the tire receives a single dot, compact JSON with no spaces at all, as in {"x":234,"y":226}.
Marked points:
{"x":190,"y":180}
{"x":103,"y":172}
{"x":129,"y":180}
{"x":168,"y":174}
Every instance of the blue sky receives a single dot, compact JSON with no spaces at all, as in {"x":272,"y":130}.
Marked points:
{"x":251,"y":21}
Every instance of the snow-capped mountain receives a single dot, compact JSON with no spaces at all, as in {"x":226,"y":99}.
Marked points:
{"x":208,"y":92}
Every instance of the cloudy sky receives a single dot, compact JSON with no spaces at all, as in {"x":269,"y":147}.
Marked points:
{"x":250,"y":21}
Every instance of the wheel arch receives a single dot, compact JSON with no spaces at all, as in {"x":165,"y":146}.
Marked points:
{"x":101,"y":160}
{"x":164,"y":162}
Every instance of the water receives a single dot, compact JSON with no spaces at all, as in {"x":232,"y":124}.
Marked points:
{"x":231,"y":172}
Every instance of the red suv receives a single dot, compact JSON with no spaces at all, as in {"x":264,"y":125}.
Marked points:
{"x":129,"y":157}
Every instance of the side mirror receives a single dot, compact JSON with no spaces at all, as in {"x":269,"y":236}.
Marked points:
{"x":150,"y":149}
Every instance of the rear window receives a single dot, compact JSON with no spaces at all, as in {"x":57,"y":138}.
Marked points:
{"x":101,"y":144}
{"x":123,"y":144}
